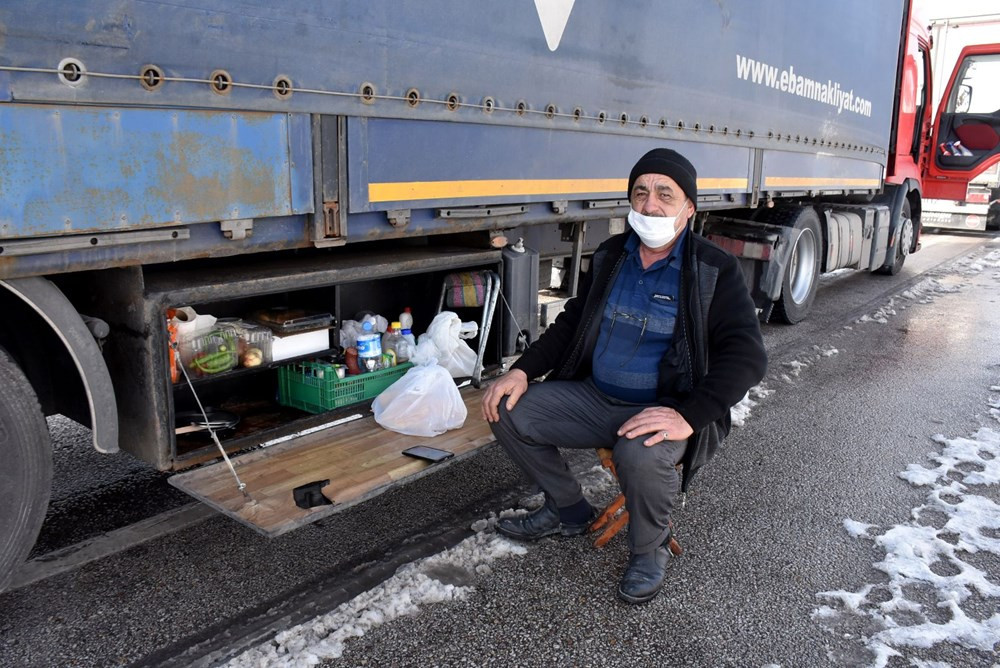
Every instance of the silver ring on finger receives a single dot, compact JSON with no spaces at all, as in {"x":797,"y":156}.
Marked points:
{"x":666,"y":436}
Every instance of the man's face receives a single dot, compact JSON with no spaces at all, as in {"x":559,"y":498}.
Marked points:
{"x":659,"y":195}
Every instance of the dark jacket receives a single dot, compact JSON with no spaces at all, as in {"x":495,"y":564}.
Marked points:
{"x":716,"y":355}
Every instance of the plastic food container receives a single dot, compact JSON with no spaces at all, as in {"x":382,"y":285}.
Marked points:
{"x":253,"y":342}
{"x":210,"y":353}
{"x":282,"y":320}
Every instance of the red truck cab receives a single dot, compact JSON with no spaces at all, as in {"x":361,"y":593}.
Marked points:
{"x":962,"y":140}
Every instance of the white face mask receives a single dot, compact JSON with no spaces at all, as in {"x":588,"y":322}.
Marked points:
{"x":654,"y":231}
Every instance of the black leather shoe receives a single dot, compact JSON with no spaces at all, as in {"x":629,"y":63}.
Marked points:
{"x":540,"y":523}
{"x":645,"y":575}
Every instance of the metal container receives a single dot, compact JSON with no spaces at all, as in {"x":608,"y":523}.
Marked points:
{"x":519,"y":282}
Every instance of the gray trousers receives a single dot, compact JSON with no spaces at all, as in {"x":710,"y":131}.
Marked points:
{"x":575,"y":414}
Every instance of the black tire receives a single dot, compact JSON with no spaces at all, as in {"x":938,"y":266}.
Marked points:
{"x":903,"y":244}
{"x":801,"y":279}
{"x":26,"y":470}
{"x":993,"y":218}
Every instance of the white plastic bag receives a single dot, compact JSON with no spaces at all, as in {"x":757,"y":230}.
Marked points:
{"x":424,"y":402}
{"x":442,"y":342}
{"x":349,"y":330}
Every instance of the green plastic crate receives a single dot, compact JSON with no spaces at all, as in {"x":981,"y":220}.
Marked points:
{"x":314,"y":386}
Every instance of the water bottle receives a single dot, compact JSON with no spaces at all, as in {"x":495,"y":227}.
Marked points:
{"x":369,"y":349}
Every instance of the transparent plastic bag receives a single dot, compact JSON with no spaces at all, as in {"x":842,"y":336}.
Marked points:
{"x":424,"y":402}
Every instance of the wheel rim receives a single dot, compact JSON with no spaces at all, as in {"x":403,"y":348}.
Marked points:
{"x":802,"y":267}
{"x":906,"y":237}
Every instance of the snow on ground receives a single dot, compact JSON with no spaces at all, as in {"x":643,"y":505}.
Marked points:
{"x":741,"y":411}
{"x":794,"y":368}
{"x":432,"y":580}
{"x":931,"y":554}
{"x":972,"y":265}
{"x":950,"y":279}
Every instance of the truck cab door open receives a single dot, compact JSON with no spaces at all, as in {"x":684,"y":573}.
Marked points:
{"x":966,"y":134}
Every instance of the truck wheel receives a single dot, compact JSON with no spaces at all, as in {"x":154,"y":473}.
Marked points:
{"x":904,"y":244}
{"x":26,"y":470}
{"x":798,"y":287}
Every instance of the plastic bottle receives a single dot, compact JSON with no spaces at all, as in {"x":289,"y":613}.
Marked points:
{"x":406,"y":319}
{"x":351,"y":359}
{"x":407,"y":346}
{"x":408,"y":335}
{"x":369,"y":348}
{"x":393,"y":341}
{"x":387,"y":335}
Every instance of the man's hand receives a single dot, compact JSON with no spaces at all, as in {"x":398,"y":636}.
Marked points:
{"x":665,"y":424}
{"x":512,"y":385}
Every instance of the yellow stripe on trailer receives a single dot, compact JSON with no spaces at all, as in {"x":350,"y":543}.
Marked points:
{"x":803,"y":182}
{"x":407,"y":191}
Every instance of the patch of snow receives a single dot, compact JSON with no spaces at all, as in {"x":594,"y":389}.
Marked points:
{"x":850,"y":600}
{"x":596,"y":481}
{"x":919,"y":558}
{"x":796,"y":366}
{"x":421,"y":583}
{"x":741,"y":411}
{"x":857,"y":529}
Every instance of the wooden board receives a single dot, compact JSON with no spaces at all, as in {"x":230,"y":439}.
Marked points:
{"x":360,"y":458}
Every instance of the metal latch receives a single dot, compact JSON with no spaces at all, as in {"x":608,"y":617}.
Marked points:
{"x":569,"y":231}
{"x":398,"y":217}
{"x":241,"y":228}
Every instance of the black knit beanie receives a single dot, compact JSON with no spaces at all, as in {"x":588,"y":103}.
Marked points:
{"x":669,"y":163}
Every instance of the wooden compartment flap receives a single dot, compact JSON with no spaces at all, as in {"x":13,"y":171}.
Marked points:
{"x":360,"y":458}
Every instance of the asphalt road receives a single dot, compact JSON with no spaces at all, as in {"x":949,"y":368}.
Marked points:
{"x":762,"y":529}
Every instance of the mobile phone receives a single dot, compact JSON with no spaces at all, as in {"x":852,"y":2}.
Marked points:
{"x":428,"y":453}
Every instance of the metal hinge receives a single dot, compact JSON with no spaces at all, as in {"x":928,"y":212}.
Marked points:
{"x":331,"y":219}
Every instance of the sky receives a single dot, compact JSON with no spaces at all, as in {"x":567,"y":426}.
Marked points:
{"x":916,"y":555}
{"x":933,"y":9}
